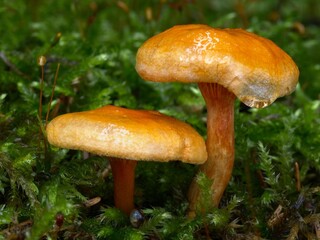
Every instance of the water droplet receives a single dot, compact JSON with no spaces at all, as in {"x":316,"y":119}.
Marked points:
{"x":255,"y":103}
{"x":136,"y":218}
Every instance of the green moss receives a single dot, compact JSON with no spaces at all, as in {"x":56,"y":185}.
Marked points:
{"x":95,"y":43}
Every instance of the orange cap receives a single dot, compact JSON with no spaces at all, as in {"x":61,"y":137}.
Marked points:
{"x":128,"y":134}
{"x":255,"y":69}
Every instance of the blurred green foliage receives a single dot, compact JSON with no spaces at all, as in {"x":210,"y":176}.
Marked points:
{"x":95,"y":43}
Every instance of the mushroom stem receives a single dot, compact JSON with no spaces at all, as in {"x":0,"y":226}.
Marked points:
{"x":220,"y":142}
{"x":123,"y":172}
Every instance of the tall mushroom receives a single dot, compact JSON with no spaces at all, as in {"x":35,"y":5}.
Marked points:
{"x":226,"y":63}
{"x":126,"y":136}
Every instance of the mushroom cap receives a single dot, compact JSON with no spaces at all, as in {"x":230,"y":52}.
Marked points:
{"x":128,"y":134}
{"x":252,"y":67}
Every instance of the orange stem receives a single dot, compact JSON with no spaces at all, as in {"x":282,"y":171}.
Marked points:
{"x":220,"y":141}
{"x":123,"y":172}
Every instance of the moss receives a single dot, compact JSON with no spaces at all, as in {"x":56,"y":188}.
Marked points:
{"x":44,"y":190}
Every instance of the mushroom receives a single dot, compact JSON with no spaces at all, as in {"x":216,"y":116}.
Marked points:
{"x":126,"y":136}
{"x":227,"y":64}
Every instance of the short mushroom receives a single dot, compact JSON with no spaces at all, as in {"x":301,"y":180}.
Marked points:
{"x":126,"y":136}
{"x":226,"y":63}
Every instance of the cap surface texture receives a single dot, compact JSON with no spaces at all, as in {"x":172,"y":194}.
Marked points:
{"x":128,"y":134}
{"x":255,"y":69}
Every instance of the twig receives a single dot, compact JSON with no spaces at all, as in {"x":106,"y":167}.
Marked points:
{"x":276,"y":218}
{"x":4,"y":58}
{"x":310,"y":219}
{"x":317,"y":229}
{"x":297,"y":175}
{"x":91,"y":202}
{"x":17,"y":229}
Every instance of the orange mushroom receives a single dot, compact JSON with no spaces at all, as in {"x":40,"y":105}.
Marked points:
{"x":126,"y":136}
{"x":226,"y":63}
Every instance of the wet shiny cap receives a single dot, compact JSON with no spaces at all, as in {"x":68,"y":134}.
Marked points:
{"x":128,"y":134}
{"x":255,"y":69}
